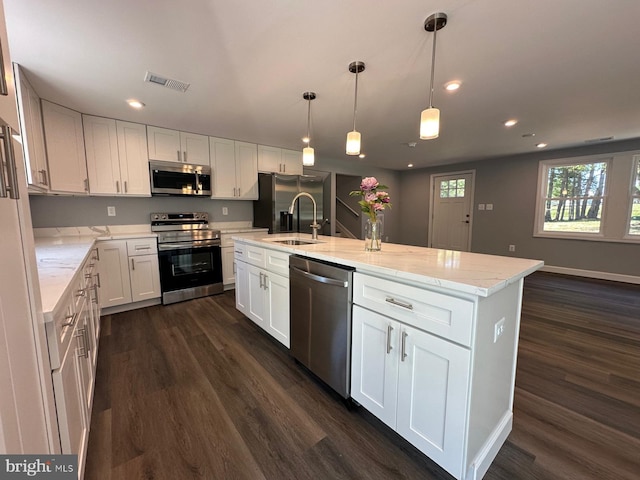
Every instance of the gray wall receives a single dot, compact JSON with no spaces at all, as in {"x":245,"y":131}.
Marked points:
{"x":510,"y":184}
{"x":64,"y":211}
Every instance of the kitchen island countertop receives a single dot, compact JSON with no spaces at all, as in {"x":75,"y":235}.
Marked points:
{"x":464,"y":272}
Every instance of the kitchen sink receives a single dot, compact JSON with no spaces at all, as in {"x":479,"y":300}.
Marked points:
{"x":294,"y":241}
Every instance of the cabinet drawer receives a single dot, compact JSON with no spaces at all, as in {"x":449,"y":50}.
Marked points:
{"x":256,"y":256}
{"x":443,"y":315}
{"x":240,"y":251}
{"x":141,"y":246}
{"x":277,"y":262}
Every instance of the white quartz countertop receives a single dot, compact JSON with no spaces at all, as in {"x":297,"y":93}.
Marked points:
{"x":472,"y":273}
{"x":59,"y":258}
{"x":61,"y":255}
{"x":244,"y":230}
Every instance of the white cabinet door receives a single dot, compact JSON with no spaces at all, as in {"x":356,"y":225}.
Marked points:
{"x":67,"y":385}
{"x":247,"y":170}
{"x":432,"y":397}
{"x":32,"y":133}
{"x":103,"y":165}
{"x":8,"y":110}
{"x":65,"y":149}
{"x":277,"y":288}
{"x":145,"y":277}
{"x":269,"y":159}
{"x":242,"y":287}
{"x":257,"y":297}
{"x":195,"y":148}
{"x":223,"y":166}
{"x":374,"y":370}
{"x":164,"y":144}
{"x":292,"y":161}
{"x":114,"y":273}
{"x":228,"y":266}
{"x":134,"y":159}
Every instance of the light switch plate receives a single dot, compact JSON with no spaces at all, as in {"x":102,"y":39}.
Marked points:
{"x":481,"y":206}
{"x":489,"y":206}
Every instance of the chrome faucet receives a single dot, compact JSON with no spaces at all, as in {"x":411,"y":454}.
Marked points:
{"x":315,"y":226}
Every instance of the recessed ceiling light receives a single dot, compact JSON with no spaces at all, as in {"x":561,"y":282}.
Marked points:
{"x":511,"y":122}
{"x":135,"y":103}
{"x":410,"y":165}
{"x":541,"y":145}
{"x":305,"y":139}
{"x":362,"y":155}
{"x":453,"y":85}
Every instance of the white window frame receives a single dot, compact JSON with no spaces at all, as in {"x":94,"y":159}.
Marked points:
{"x":616,"y":198}
{"x":632,"y":196}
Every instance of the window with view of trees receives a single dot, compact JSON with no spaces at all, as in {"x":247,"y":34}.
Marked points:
{"x":452,"y":188}
{"x":590,"y":198}
{"x":634,"y":220}
{"x":574,"y":197}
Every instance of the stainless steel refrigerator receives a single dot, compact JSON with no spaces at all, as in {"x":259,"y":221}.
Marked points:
{"x":276,"y":193}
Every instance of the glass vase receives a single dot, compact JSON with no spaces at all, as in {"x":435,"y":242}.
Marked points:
{"x":373,"y":235}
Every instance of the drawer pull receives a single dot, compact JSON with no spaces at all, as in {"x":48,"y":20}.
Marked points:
{"x":82,"y":293}
{"x":72,"y":320}
{"x":389,"y":330}
{"x":393,"y":301}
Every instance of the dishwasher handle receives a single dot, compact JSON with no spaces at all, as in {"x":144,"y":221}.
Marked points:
{"x":321,"y":279}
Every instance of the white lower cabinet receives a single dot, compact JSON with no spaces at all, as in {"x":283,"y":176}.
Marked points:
{"x":414,"y":382}
{"x":262,"y":289}
{"x":129,"y":271}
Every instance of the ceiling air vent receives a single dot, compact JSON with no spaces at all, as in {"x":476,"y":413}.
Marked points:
{"x":166,"y":82}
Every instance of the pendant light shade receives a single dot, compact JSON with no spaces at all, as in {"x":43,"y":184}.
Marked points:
{"x":353,"y":137}
{"x":429,"y":123}
{"x":430,"y":118}
{"x":308,"y":155}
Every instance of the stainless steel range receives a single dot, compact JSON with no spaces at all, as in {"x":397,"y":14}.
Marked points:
{"x":189,"y":256}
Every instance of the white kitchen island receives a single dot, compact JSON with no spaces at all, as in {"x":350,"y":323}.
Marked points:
{"x":434,"y":338}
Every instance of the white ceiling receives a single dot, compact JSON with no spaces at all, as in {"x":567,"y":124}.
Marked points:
{"x":567,"y":69}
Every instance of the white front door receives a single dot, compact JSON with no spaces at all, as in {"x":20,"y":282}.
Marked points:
{"x":451,"y":204}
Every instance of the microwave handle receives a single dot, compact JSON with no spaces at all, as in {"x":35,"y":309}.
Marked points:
{"x":198,"y":187}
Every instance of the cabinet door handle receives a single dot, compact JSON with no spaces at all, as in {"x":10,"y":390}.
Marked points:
{"x":117,"y":186}
{"x":393,"y":301}
{"x":261,"y":280}
{"x":11,"y":184}
{"x":95,"y":294}
{"x":178,"y":153}
{"x":126,"y":187}
{"x":44,"y":177}
{"x":266,"y":285}
{"x":184,"y":157}
{"x":3,"y":81}
{"x":87,"y":344}
{"x":133,"y":264}
{"x":403,"y":346}
{"x":98,"y":279}
{"x":86,"y":184}
{"x":389,"y":330}
{"x":97,"y":254}
{"x":238,"y":191}
{"x":234,"y":268}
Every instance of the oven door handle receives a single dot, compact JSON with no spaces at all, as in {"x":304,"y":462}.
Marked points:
{"x":176,"y":246}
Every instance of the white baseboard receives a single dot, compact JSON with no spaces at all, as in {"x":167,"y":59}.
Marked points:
{"x":487,"y":454}
{"x":616,"y":277}
{"x":130,"y":306}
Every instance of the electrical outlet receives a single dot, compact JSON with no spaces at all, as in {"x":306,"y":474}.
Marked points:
{"x":225,"y":211}
{"x":512,"y":248}
{"x":111,"y":211}
{"x":498,"y":330}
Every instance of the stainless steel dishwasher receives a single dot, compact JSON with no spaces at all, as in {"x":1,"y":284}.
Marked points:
{"x":320,"y":310}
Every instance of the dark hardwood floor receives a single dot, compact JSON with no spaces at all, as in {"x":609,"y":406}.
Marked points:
{"x":195,"y":390}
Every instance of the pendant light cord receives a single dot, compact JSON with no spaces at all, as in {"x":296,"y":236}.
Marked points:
{"x":355,"y":102}
{"x":433,"y":64}
{"x":309,"y":123}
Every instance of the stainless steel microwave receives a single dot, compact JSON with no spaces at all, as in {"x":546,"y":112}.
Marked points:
{"x":169,"y":178}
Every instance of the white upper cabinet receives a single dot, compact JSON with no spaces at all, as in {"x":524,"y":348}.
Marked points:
{"x":8,"y":110}
{"x":134,"y":164}
{"x":174,"y":146}
{"x":116,"y":157}
{"x":32,"y":132}
{"x":65,"y":149}
{"x":278,"y":160}
{"x":235,"y":169}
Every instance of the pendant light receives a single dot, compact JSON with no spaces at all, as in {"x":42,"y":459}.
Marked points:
{"x":308,"y":157}
{"x":430,"y":118}
{"x":353,"y":137}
